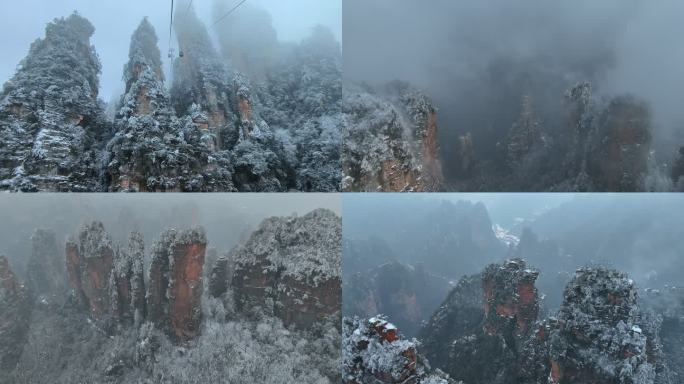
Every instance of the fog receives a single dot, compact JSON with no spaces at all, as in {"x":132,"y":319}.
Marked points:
{"x":476,"y":59}
{"x":557,"y":233}
{"x":22,"y":22}
{"x":365,"y":213}
{"x":226,"y":218}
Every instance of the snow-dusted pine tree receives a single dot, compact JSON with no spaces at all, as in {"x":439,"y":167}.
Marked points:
{"x":152,"y":149}
{"x":302,"y":100}
{"x":222,"y":105}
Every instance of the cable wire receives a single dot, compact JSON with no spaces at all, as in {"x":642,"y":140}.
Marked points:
{"x":171,"y":24}
{"x":228,"y":13}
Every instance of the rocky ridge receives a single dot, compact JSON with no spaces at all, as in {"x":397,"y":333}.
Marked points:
{"x":290,"y":267}
{"x":390,"y":142}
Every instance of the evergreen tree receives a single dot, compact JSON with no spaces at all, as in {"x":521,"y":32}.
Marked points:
{"x":302,"y":99}
{"x":152,"y":149}
{"x":222,"y":106}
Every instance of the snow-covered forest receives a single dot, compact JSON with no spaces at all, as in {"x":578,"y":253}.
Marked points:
{"x":243,"y":111}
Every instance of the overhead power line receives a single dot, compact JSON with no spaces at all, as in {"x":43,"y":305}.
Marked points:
{"x":228,"y":13}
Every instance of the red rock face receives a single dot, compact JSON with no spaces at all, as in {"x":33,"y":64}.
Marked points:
{"x":253,"y":285}
{"x":245,"y":109}
{"x":510,"y":295}
{"x":186,"y":290}
{"x":15,"y":309}
{"x":386,"y":331}
{"x":73,"y":264}
{"x":395,"y":177}
{"x":96,"y":282}
{"x":289,"y":267}
{"x":143,"y":103}
{"x":303,"y":305}
{"x":555,"y":375}
{"x":432,"y":165}
{"x":89,"y":268}
{"x":176,"y":282}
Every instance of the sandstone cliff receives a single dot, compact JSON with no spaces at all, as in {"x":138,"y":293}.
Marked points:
{"x":487,"y":331}
{"x":290,"y":267}
{"x":390,"y":141}
{"x":105,"y":279}
{"x":176,"y":283}
{"x":90,"y":261}
{"x":479,"y":333}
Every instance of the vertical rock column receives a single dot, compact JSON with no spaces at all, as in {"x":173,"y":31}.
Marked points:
{"x":481,"y":332}
{"x":128,"y":285}
{"x":432,"y":165}
{"x":143,"y":119}
{"x":201,"y":80}
{"x":176,"y":283}
{"x":601,"y":336}
{"x":510,"y":298}
{"x":106,"y":279}
{"x":95,"y":256}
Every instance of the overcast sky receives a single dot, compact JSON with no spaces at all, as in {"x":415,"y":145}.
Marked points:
{"x":22,"y":22}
